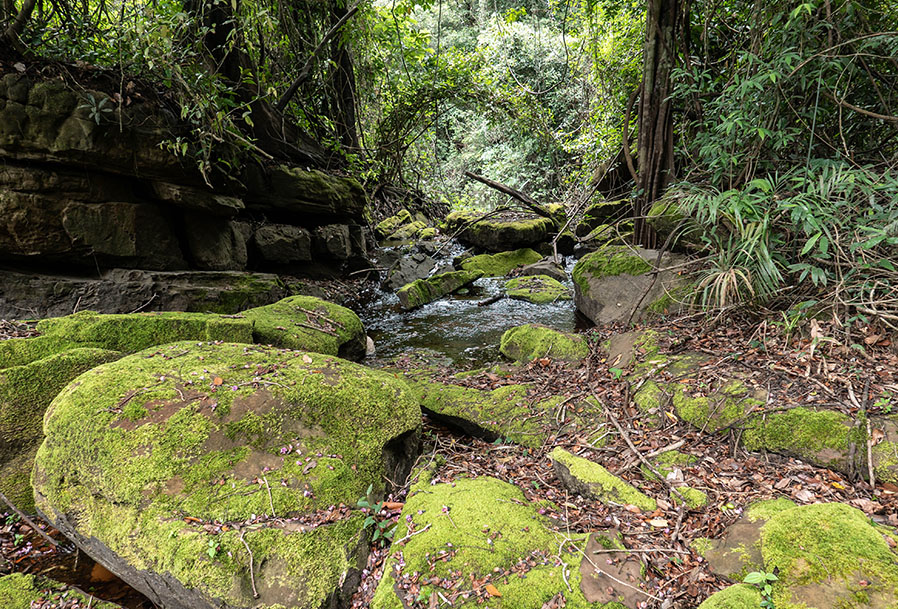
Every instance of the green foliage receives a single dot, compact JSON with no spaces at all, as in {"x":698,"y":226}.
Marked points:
{"x":382,"y":528}
{"x":764,"y":583}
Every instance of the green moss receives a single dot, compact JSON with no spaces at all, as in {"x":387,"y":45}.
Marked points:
{"x":485,"y":527}
{"x":539,"y":289}
{"x":21,"y":351}
{"x":135,"y":331}
{"x":600,"y":483}
{"x":765,"y":510}
{"x":716,"y":410}
{"x":307,"y":323}
{"x":389,"y":225}
{"x":499,"y":265}
{"x":885,"y":459}
{"x":701,"y":545}
{"x":428,"y":233}
{"x":608,"y":261}
{"x":650,"y":399}
{"x":665,"y":214}
{"x":422,"y":291}
{"x":829,"y":543}
{"x":25,"y":393}
{"x":667,"y":462}
{"x":318,"y":440}
{"x":501,"y":413}
{"x":821,"y":437}
{"x":18,"y":591}
{"x":694,"y":497}
{"x":738,"y":596}
{"x":530,"y":341}
{"x":672,"y":300}
{"x":408,"y":232}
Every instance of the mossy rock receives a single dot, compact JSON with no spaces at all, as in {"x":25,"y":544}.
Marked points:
{"x":480,"y":530}
{"x":615,"y":281}
{"x":737,"y":596}
{"x":227,"y":433}
{"x":499,"y":265}
{"x":19,"y":591}
{"x":714,"y":409}
{"x":821,"y":437}
{"x":25,"y":393}
{"x":389,"y":225}
{"x":600,"y":213}
{"x":130,"y":332}
{"x":590,"y":479}
{"x":885,"y":454}
{"x":830,"y":555}
{"x":538,"y":289}
{"x":531,"y":341}
{"x":422,"y":291}
{"x":407,"y":232}
{"x":21,"y":351}
{"x":309,"y":324}
{"x":501,"y":234}
{"x":666,"y":462}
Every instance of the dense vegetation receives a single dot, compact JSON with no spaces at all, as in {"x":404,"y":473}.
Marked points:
{"x":772,"y":125}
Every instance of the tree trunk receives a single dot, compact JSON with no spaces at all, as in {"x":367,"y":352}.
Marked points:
{"x":344,"y":111}
{"x":666,"y":21}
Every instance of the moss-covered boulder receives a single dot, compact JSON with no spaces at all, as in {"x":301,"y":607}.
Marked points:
{"x":885,"y":452}
{"x":130,"y":332}
{"x":827,"y":556}
{"x":25,"y":393}
{"x":407,"y":232}
{"x":21,"y":591}
{"x":199,"y":472}
{"x":538,"y":289}
{"x":499,"y":265}
{"x":389,"y":225}
{"x":499,"y":234}
{"x":530,"y":341}
{"x":482,"y":532}
{"x":614,"y":280}
{"x":309,"y":324}
{"x":590,"y":479}
{"x":422,"y":291}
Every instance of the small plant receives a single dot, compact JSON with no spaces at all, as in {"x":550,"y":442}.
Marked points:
{"x":18,"y":539}
{"x":213,"y":548}
{"x":884,"y":402}
{"x":383,"y":527}
{"x":616,"y":373}
{"x":97,"y":109}
{"x":763,"y":581}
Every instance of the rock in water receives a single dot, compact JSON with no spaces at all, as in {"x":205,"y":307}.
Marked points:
{"x":170,"y":465}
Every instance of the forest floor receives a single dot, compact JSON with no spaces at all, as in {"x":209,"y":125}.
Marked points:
{"x":795,"y":370}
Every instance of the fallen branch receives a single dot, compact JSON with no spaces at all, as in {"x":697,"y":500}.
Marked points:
{"x":511,"y":192}
{"x":28,"y":521}
{"x":651,"y":454}
{"x":489,"y":301}
{"x":252,"y":575}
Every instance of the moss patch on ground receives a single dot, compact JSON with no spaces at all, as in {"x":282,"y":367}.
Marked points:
{"x":19,"y":591}
{"x":588,"y":478}
{"x":538,"y":289}
{"x":479,"y":529}
{"x":223,"y":432}
{"x":308,"y":324}
{"x":21,"y":351}
{"x":608,"y":261}
{"x":716,"y":410}
{"x":531,"y":341}
{"x":422,"y":291}
{"x":499,"y":265}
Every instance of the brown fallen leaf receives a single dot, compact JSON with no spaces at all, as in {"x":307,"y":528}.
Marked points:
{"x":217,"y":381}
{"x":393,"y":505}
{"x":492,"y":590}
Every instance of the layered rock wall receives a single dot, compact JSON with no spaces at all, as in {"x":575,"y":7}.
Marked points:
{"x":87,"y":185}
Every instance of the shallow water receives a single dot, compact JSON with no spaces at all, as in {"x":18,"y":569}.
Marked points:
{"x":455,"y":327}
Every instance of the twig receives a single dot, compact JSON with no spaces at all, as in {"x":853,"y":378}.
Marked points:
{"x":28,"y":521}
{"x":654,"y":453}
{"x":270,"y":500}
{"x":144,"y":305}
{"x":511,"y":192}
{"x":252,"y":575}
{"x":626,"y":437}
{"x":642,"y":551}
{"x":410,"y":535}
{"x":614,"y":579}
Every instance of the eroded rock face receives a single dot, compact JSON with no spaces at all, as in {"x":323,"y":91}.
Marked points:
{"x":141,"y":453}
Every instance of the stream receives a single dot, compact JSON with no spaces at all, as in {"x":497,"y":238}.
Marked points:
{"x":455,"y":329}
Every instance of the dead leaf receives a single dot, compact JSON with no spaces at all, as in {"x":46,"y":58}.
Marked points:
{"x":307,"y":359}
{"x":658,"y":523}
{"x":310,"y":466}
{"x":217,"y":381}
{"x":19,"y":66}
{"x":492,"y":590}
